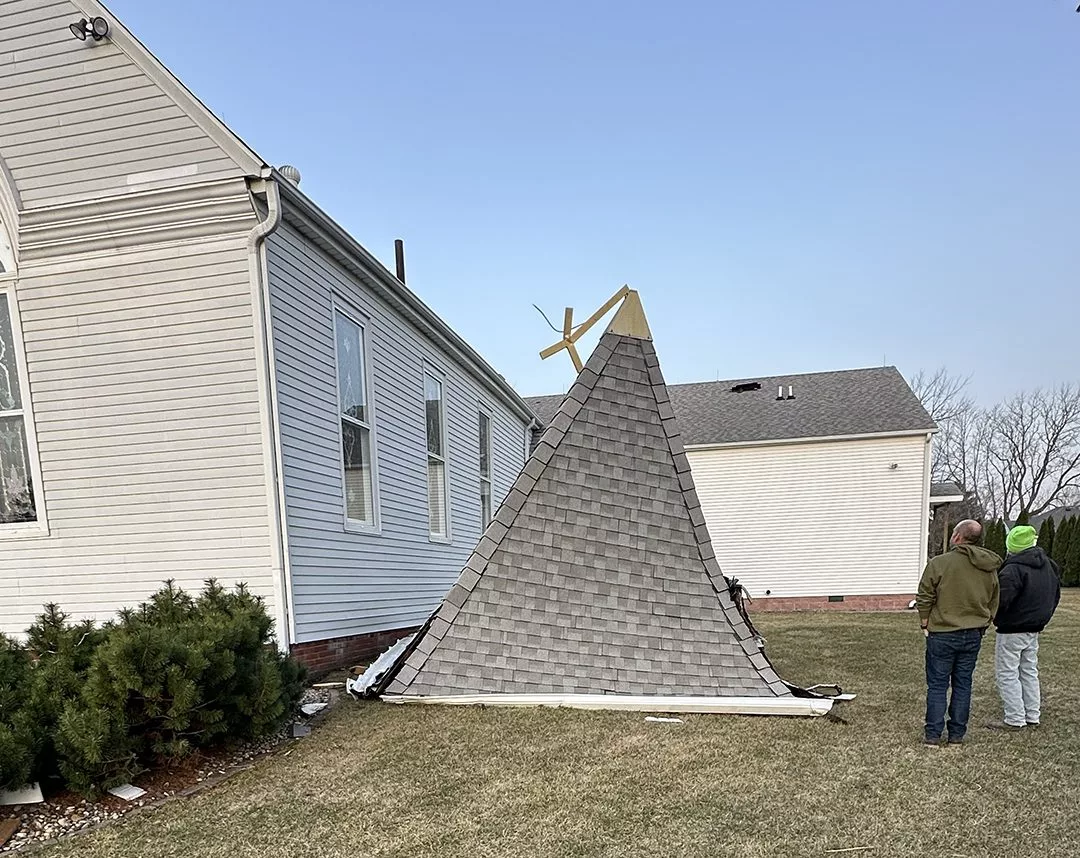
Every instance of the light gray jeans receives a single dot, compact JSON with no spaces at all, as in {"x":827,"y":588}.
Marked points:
{"x":1016,"y":667}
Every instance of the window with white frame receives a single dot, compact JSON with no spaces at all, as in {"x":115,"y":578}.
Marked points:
{"x":438,"y":488}
{"x":485,"y":469}
{"x":17,"y":504}
{"x":355,"y":414}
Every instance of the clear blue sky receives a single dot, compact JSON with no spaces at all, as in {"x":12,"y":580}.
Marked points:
{"x":791,"y":186}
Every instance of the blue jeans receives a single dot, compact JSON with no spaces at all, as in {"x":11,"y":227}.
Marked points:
{"x":950,"y":660}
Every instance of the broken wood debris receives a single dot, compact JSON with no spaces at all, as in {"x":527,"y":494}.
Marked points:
{"x":7,"y":828}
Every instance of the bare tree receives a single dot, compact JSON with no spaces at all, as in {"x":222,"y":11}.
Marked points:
{"x":942,"y":394}
{"x":945,"y":398}
{"x":1031,"y":451}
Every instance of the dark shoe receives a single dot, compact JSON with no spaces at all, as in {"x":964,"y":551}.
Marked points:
{"x":1001,"y":725}
{"x":932,"y":743}
{"x":955,"y":743}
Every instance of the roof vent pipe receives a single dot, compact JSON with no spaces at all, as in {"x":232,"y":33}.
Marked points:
{"x":791,"y":391}
{"x":290,"y":174}
{"x":399,"y":258}
{"x":779,"y":392}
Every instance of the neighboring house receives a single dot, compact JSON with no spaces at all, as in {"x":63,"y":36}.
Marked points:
{"x":815,"y":487}
{"x":202,"y":375}
{"x":943,"y":494}
{"x":945,"y":514}
{"x":1058,"y":514}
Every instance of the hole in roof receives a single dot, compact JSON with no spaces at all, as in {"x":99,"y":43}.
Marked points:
{"x":746,"y":387}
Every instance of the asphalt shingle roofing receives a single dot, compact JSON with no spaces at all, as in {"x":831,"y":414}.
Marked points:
{"x":825,"y":404}
{"x":597,"y":575}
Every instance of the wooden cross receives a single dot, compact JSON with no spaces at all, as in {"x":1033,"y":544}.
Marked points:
{"x":571,"y":334}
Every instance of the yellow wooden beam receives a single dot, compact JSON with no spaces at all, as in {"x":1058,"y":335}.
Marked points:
{"x":634,"y":321}
{"x":583,"y":328}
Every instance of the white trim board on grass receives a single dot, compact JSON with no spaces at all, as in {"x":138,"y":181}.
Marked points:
{"x":800,"y":706}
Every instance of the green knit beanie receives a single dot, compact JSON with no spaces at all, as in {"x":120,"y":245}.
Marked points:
{"x":1021,"y":538}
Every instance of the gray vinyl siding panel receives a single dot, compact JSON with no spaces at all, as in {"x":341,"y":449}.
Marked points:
{"x":144,"y":393}
{"x":57,"y":150}
{"x":346,"y":582}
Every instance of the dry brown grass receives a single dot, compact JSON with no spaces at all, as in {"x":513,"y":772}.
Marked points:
{"x":379,"y":780}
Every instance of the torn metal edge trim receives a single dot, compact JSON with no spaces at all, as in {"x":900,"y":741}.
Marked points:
{"x":799,"y":706}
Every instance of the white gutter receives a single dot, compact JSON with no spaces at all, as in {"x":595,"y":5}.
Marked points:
{"x":271,"y":438}
{"x":819,"y":439}
{"x":801,"y":706}
{"x":404,"y":300}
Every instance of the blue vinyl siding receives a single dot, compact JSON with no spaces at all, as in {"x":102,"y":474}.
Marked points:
{"x":344,"y":582}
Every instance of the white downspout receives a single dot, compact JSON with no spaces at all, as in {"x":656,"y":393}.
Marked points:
{"x":271,"y":442}
{"x":533,"y":424}
{"x":925,"y":540}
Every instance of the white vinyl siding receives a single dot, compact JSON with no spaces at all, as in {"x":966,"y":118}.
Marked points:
{"x":817,"y":519}
{"x":345,"y":582}
{"x":82,"y":120}
{"x":142,"y":370}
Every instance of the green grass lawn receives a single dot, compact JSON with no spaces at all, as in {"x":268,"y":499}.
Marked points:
{"x":382,"y":780}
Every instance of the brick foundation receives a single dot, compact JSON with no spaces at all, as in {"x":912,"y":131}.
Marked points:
{"x":326,"y":655}
{"x":772,"y":604}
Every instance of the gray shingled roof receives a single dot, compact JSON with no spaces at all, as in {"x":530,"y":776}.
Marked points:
{"x":1059,"y":514}
{"x":848,"y":402}
{"x":597,"y":574}
{"x":945,"y":490}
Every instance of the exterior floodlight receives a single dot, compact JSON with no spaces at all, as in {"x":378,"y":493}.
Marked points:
{"x":98,"y":28}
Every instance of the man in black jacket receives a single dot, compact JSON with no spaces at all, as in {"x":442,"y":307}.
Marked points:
{"x":1030,"y":591}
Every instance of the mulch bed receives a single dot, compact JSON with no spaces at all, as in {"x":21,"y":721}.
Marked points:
{"x":65,"y":814}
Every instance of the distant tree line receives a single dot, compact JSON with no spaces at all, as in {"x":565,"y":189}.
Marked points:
{"x":1060,"y":541}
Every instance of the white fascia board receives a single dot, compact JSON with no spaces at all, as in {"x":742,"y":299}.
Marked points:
{"x":799,"y":706}
{"x":820,"y":439}
{"x":938,"y":500}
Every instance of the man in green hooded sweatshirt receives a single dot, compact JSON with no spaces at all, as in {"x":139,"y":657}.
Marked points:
{"x":958,"y":596}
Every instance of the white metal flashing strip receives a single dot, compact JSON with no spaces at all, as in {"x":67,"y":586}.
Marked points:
{"x":801,"y":706}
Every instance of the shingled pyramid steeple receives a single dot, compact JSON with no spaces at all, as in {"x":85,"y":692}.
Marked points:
{"x":597,"y":575}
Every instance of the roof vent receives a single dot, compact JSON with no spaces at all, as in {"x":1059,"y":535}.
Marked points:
{"x":746,"y":386}
{"x":290,"y":174}
{"x":791,"y":391}
{"x":779,"y":392}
